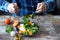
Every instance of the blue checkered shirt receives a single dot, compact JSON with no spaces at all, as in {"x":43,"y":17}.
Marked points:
{"x":27,"y":6}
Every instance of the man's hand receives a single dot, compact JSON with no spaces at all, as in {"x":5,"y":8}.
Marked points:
{"x":41,"y":7}
{"x":13,"y":8}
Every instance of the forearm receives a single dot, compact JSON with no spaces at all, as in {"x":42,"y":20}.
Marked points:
{"x":3,"y":5}
{"x":50,"y":5}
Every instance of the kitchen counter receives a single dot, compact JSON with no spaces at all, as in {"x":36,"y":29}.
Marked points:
{"x":49,"y":25}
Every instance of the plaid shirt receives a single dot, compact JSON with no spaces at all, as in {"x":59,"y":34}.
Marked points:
{"x":27,"y":6}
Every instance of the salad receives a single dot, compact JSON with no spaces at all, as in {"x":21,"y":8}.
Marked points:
{"x":24,"y":28}
{"x":28,"y":29}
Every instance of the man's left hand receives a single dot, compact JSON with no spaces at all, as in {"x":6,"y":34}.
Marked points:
{"x":41,"y":7}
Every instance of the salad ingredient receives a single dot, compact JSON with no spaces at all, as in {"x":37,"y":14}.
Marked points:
{"x":31,"y":15}
{"x":30,"y":32}
{"x":22,"y":27}
{"x":7,"y":21}
{"x":15,"y":23}
{"x":27,"y":30}
{"x":12,"y":33}
{"x":26,"y":33}
{"x":17,"y":37}
{"x":18,"y":26}
{"x":20,"y":32}
{"x":33,"y":31}
{"x":36,"y":28}
{"x":9,"y":29}
{"x":30,"y":23}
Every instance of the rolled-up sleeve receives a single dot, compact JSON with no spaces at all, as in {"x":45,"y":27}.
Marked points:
{"x":50,"y":5}
{"x":3,"y":5}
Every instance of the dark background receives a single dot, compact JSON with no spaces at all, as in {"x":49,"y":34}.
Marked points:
{"x":9,"y":1}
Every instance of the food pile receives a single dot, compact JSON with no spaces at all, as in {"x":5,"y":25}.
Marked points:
{"x":24,"y":28}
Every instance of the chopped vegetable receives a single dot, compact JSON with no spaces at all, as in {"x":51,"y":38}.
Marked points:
{"x":7,"y":21}
{"x":33,"y":31}
{"x":31,"y":15}
{"x":30,"y":23}
{"x":9,"y":29}
{"x":15,"y":23}
{"x":12,"y":33}
{"x":36,"y":28}
{"x":22,"y":25}
{"x":26,"y":20}
{"x":30,"y":32}
{"x":17,"y":37}
{"x":22,"y":29}
{"x":18,"y":26}
{"x":20,"y":32}
{"x":27,"y":30}
{"x":26,"y":33}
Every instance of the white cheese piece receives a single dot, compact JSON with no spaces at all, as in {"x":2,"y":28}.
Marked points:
{"x":12,"y":33}
{"x":22,"y":25}
{"x":22,"y":28}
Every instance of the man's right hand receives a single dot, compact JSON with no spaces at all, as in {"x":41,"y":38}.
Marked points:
{"x":13,"y":8}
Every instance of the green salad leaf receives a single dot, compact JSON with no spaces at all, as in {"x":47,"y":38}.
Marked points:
{"x":26,"y":33}
{"x":9,"y":29}
{"x":33,"y":31}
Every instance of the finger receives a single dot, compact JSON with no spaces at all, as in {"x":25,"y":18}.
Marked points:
{"x":15,"y":5}
{"x":39,"y":4}
{"x":39,"y":7}
{"x":38,"y":11}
